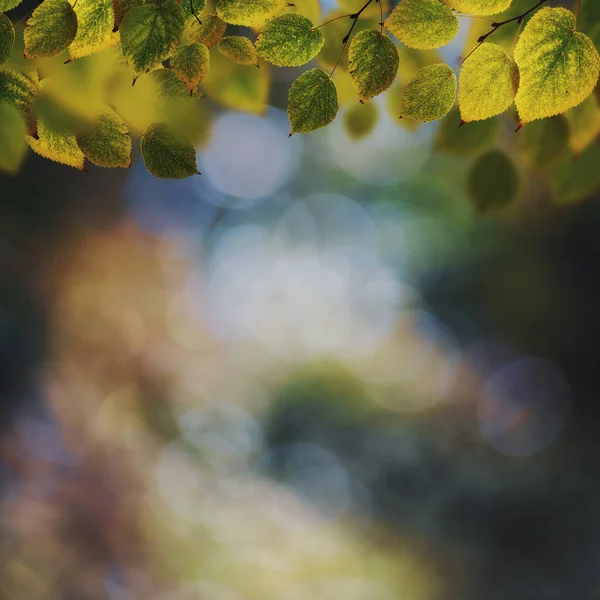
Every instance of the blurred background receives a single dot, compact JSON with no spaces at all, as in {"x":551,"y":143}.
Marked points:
{"x":314,"y":371}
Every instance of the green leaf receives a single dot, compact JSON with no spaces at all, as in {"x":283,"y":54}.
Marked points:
{"x":165,"y":155}
{"x":191,"y":62}
{"x":12,"y":134}
{"x":493,"y":181}
{"x":239,"y":49}
{"x":50,"y":30}
{"x":96,"y":20}
{"x":584,"y":124}
{"x":559,"y":67}
{"x":209,"y":32}
{"x":251,"y":13}
{"x":488,"y":83}
{"x":479,"y":7}
{"x":576,"y":177}
{"x":543,"y":142}
{"x":373,"y":60}
{"x":423,"y":24}
{"x":6,"y":5}
{"x":109,"y":143}
{"x":150,"y":34}
{"x":58,"y":147}
{"x":198,"y":5}
{"x":168,"y":84}
{"x":7,"y":38}
{"x":313,"y":102}
{"x":431,"y":94}
{"x":289,"y":41}
{"x":360,"y":119}
{"x":19,"y":89}
{"x":468,"y":139}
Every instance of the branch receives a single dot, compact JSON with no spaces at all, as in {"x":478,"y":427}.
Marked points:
{"x":518,"y":19}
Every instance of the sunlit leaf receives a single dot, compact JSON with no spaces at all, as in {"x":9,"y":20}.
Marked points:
{"x":478,"y":7}
{"x":208,"y":32}
{"x":465,"y":140}
{"x":543,"y":142}
{"x":191,"y":62}
{"x":251,"y":13}
{"x":165,"y":155}
{"x":58,"y":147}
{"x":313,"y":102}
{"x":12,"y":133}
{"x":50,"y":29}
{"x":493,"y":181}
{"x":109,"y":143}
{"x":360,"y":119}
{"x":239,"y":49}
{"x":96,"y":20}
{"x":7,"y":38}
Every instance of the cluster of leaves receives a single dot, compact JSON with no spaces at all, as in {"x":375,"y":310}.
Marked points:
{"x":527,"y":56}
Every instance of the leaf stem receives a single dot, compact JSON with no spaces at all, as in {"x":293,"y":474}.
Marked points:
{"x":519,"y":19}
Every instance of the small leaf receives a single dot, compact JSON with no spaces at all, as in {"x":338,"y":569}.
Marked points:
{"x":576,"y":177}
{"x":96,"y":20}
{"x":488,"y":83}
{"x":239,"y":49}
{"x":479,"y":7}
{"x":251,"y":13}
{"x":191,"y":62}
{"x":289,"y":41}
{"x":59,"y":147}
{"x":209,"y":32}
{"x":12,"y":134}
{"x":150,"y":33}
{"x":7,"y":38}
{"x":313,"y":102}
{"x":467,"y":140}
{"x":109,"y":143}
{"x":166,"y":156}
{"x":543,"y":142}
{"x":373,"y":60}
{"x":584,"y":124}
{"x":360,"y":119}
{"x":431,"y":94}
{"x":19,"y":89}
{"x":50,"y":30}
{"x":559,"y":67}
{"x":423,"y":24}
{"x":493,"y":181}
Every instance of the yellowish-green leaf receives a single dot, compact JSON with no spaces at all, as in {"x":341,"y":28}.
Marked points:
{"x":313,"y":102}
{"x":493,"y":181}
{"x":50,"y":30}
{"x":289,"y":41}
{"x":543,"y":142}
{"x":576,"y":177}
{"x":479,"y":7}
{"x":165,"y":155}
{"x":239,"y":49}
{"x":373,"y":61}
{"x":168,"y":84}
{"x":109,"y":143}
{"x":12,"y":133}
{"x":488,"y":83}
{"x":7,"y":38}
{"x":311,"y":9}
{"x":584,"y":124}
{"x":430,"y":95}
{"x":251,"y":13}
{"x":208,"y":32}
{"x":468,"y":139}
{"x":19,"y":89}
{"x":423,"y":24}
{"x":150,"y":33}
{"x":6,"y":5}
{"x":59,"y":147}
{"x":197,"y":5}
{"x":559,"y":67}
{"x":96,"y":20}
{"x":360,"y":119}
{"x":191,"y":62}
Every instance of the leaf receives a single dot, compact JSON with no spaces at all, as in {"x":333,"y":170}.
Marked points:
{"x":479,"y":7}
{"x":584,"y":124}
{"x":150,"y":34}
{"x":7,"y":38}
{"x":373,"y":61}
{"x":559,"y":67}
{"x":239,"y":49}
{"x":198,"y":5}
{"x":50,"y":29}
{"x":488,"y":83}
{"x":191,"y":62}
{"x":165,"y":156}
{"x":465,"y":140}
{"x":312,"y":102}
{"x":360,"y":119}
{"x":576,"y":177}
{"x":58,"y":147}
{"x":289,"y":41}
{"x":109,"y":144}
{"x":96,"y":20}
{"x":12,"y":134}
{"x":169,"y":85}
{"x":423,"y":24}
{"x":493,"y":181}
{"x":209,"y":32}
{"x":6,"y":5}
{"x":543,"y":142}
{"x":19,"y":89}
{"x":431,"y":94}
{"x":251,"y":13}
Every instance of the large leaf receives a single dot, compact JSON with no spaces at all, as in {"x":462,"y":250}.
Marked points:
{"x":150,"y":34}
{"x":313,"y":102}
{"x":191,"y":62}
{"x":559,"y":67}
{"x":251,"y":13}
{"x":479,"y":7}
{"x":96,"y":20}
{"x":7,"y":38}
{"x":12,"y":134}
{"x":108,"y":144}
{"x":239,"y":49}
{"x":50,"y":30}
